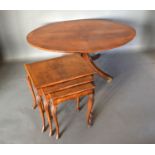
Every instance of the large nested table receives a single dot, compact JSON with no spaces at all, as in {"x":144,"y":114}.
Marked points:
{"x":84,"y":36}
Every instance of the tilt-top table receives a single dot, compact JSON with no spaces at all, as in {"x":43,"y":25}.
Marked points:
{"x":82,"y":36}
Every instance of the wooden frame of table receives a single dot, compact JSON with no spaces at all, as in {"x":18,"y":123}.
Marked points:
{"x":84,"y":37}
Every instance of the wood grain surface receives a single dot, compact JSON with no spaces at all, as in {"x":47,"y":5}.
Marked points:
{"x":82,"y":36}
{"x":58,"y":70}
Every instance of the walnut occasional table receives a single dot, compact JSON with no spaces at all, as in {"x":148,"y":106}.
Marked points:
{"x":82,"y":36}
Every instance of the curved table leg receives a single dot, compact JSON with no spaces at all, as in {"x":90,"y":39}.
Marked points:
{"x":90,"y":109}
{"x":97,"y":70}
{"x":54,"y":109}
{"x":40,"y":106}
{"x":32,"y":92}
{"x":47,"y":105}
{"x":78,"y":104}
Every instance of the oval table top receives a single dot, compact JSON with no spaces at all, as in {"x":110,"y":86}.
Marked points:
{"x":82,"y":36}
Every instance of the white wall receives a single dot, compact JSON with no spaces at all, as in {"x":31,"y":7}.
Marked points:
{"x":15,"y":25}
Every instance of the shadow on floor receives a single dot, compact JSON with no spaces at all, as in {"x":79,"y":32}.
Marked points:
{"x":119,"y":65}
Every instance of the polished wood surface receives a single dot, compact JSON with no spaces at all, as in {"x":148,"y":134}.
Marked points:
{"x":81,"y":36}
{"x":69,"y":83}
{"x":58,"y":70}
{"x":71,"y":91}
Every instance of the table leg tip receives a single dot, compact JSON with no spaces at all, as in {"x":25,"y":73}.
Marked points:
{"x":109,"y":80}
{"x":43,"y":129}
{"x":50,"y":134}
{"x":78,"y":109}
{"x":34,"y":107}
{"x":57,"y":137}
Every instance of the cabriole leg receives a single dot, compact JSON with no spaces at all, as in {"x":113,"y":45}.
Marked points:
{"x":54,"y":108}
{"x":78,"y":104}
{"x":32,"y":92}
{"x":90,"y":109}
{"x":40,"y":105}
{"x":47,"y":104}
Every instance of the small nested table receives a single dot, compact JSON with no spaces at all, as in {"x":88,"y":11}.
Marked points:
{"x":82,"y":36}
{"x":57,"y":80}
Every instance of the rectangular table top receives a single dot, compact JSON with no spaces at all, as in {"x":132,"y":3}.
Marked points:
{"x":58,"y":70}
